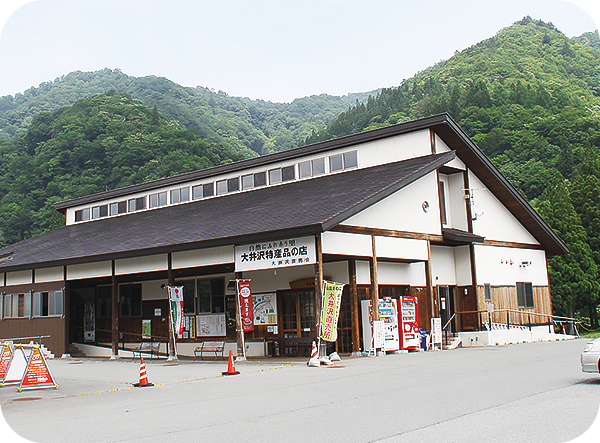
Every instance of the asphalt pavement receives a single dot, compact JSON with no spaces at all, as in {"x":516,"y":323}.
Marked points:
{"x":519,"y":393}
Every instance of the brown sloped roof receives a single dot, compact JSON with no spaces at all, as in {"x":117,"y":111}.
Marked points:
{"x":295,"y":209}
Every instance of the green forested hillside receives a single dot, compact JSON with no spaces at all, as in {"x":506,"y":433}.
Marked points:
{"x":249,"y":126}
{"x":530,"y":98}
{"x":103,"y":142}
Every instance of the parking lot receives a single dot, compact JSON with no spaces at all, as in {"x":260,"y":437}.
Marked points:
{"x":526,"y":393}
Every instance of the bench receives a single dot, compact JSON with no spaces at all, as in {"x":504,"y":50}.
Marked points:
{"x":210,"y":346}
{"x":148,"y":348}
{"x":293,"y":342}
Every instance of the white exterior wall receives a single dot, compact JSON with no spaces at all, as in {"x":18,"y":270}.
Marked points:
{"x":451,"y":265}
{"x":392,"y":273}
{"x":493,"y":266}
{"x":19,"y":278}
{"x":346,"y":244}
{"x":141,"y":264}
{"x":45,"y":275}
{"x":496,"y":223}
{"x":89,"y":270}
{"x":400,"y":248}
{"x":391,"y":149}
{"x":203,"y":257}
{"x":272,"y":280}
{"x":403,"y":210}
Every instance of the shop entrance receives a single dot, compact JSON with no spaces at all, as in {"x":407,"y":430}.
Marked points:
{"x":446,"y":304}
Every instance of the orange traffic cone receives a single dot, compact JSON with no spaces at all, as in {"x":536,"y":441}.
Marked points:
{"x":143,"y":377}
{"x":314,"y":356}
{"x":231,"y":367}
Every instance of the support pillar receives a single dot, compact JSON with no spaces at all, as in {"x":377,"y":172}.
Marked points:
{"x":114,"y":313}
{"x":239,"y":328}
{"x":374,"y":282}
{"x":354,"y":307}
{"x":319,"y":291}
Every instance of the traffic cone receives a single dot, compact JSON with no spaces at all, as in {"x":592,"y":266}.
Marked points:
{"x":314,"y":356}
{"x":231,"y":367}
{"x":143,"y":377}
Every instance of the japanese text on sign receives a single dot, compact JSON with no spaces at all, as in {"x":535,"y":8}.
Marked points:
{"x":275,"y":254}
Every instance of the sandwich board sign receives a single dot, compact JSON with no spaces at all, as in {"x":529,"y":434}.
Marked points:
{"x":5,"y":360}
{"x":37,"y":374}
{"x":16,"y":367}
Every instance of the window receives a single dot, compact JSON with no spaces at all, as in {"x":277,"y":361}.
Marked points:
{"x":260,"y":179}
{"x":254,"y":180}
{"x":189,"y":296}
{"x":159,"y":199}
{"x":104,"y":301}
{"x":233,"y":184}
{"x":7,"y":306}
{"x":47,"y":304}
{"x":222,"y":187}
{"x":274,"y":176}
{"x":347,"y":160}
{"x":443,"y":203}
{"x":137,"y":204}
{"x":525,"y":294}
{"x":180,"y":195}
{"x":202,"y":191}
{"x":118,"y":208}
{"x":82,"y":214}
{"x":130,"y":300}
{"x":488,"y":292}
{"x":100,"y":211}
{"x":311,"y":168}
{"x":336,"y":163}
{"x":350,"y":160}
{"x":211,"y":296}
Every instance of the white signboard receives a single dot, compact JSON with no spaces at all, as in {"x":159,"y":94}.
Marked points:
{"x":378,"y":334}
{"x":210,"y":325}
{"x":436,"y":331}
{"x":275,"y":254}
{"x":265,"y":309}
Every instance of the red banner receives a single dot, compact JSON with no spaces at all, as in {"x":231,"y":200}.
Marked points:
{"x":246,"y":305}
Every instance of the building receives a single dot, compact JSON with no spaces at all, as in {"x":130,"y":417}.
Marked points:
{"x":410,"y":209}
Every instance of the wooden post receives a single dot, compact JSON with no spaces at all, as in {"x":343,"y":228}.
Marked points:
{"x":507,"y":319}
{"x":114,"y":313}
{"x":239,"y":328}
{"x":170,"y":282}
{"x":66,"y":309}
{"x":374,"y":282}
{"x":319,"y":291}
{"x":354,"y":306}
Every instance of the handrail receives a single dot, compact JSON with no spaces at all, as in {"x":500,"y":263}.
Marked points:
{"x":24,"y":338}
{"x":448,"y":322}
{"x":522,"y":312}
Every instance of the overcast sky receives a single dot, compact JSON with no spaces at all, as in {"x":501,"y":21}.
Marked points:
{"x":274,"y":50}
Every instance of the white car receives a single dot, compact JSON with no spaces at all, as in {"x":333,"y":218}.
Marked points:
{"x":590,"y":357}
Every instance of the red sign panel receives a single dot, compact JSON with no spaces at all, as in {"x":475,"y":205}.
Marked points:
{"x":4,"y":361}
{"x":246,"y":305}
{"x":37,"y":374}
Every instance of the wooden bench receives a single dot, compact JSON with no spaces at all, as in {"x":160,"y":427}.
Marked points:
{"x":293,"y":342}
{"x":148,"y":348}
{"x":210,"y":346}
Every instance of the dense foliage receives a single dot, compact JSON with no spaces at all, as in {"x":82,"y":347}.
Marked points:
{"x":104,"y":142}
{"x":249,"y":126}
{"x":530,"y":98}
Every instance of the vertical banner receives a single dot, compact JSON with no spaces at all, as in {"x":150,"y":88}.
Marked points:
{"x":176,"y":299}
{"x":246,"y":305}
{"x":332,"y":299}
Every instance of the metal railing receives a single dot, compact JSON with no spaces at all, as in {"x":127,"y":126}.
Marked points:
{"x":550,"y":320}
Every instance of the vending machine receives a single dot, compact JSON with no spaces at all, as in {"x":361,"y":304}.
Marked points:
{"x":408,"y":323}
{"x":388,"y":313}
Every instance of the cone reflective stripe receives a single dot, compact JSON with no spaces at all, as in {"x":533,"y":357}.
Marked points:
{"x":314,"y":356}
{"x":231,"y":367}
{"x":143,"y":377}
